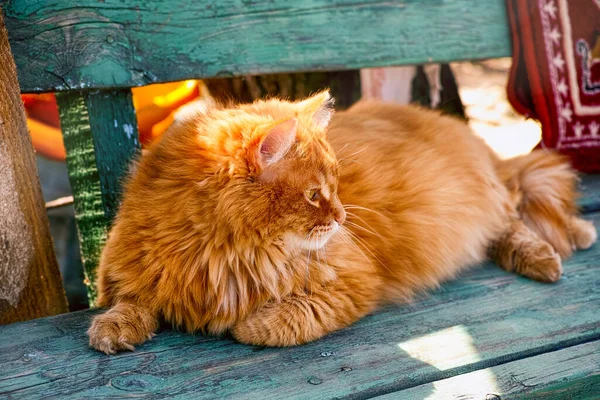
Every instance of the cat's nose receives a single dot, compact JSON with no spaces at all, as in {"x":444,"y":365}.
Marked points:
{"x":339,"y":215}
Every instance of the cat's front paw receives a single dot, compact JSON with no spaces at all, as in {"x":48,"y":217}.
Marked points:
{"x":280,"y":324}
{"x":113,"y":332}
{"x":251,"y":332}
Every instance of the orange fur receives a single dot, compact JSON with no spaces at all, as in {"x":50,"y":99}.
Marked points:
{"x":234,"y":220}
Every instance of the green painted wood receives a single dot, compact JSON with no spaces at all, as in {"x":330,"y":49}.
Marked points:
{"x":67,"y":44}
{"x":100,"y":135}
{"x":116,"y":141}
{"x":486,"y":318}
{"x":571,"y":373}
{"x":92,"y":222}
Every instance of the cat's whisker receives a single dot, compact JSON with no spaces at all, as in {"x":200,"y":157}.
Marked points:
{"x":321,"y":247}
{"x":337,"y":153}
{"x":343,"y":161}
{"x":346,"y":235}
{"x":363,"y":229}
{"x":365,"y":246}
{"x":307,"y":277}
{"x":317,"y":249}
{"x":352,"y":215}
{"x":355,"y":153}
{"x":347,"y":158}
{"x":349,"y":239}
{"x":357,"y":207}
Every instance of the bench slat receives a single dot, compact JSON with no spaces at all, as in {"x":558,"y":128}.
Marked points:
{"x":571,"y":373}
{"x":67,"y":44}
{"x":100,"y":135}
{"x":485,"y":318}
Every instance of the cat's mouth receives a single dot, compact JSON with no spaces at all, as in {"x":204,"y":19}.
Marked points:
{"x":321,"y":230}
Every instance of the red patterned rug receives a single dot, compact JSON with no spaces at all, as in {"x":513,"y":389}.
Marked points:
{"x":555,"y":75}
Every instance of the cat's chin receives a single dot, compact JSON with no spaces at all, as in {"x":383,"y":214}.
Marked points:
{"x":316,"y":243}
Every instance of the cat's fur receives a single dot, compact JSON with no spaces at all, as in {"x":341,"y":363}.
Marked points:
{"x":216,"y":230}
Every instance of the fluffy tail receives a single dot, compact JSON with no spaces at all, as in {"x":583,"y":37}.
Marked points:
{"x":543,"y":186}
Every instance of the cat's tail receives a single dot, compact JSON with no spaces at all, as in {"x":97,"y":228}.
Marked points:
{"x":543,"y":186}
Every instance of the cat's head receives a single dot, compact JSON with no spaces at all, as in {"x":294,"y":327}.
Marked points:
{"x":270,"y":173}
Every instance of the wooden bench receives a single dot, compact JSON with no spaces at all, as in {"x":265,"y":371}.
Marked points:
{"x":487,"y":335}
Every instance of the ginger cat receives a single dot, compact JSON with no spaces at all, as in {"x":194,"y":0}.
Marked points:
{"x":272,"y":222}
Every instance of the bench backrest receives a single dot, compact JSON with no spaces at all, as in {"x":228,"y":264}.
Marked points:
{"x":94,"y":51}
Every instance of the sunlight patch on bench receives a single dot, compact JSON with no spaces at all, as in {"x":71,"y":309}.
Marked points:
{"x":451,"y":348}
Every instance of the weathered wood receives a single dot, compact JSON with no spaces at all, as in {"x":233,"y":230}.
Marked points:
{"x":100,"y":135}
{"x":30,"y":284}
{"x":67,"y":44}
{"x":571,"y":373}
{"x":485,"y":318}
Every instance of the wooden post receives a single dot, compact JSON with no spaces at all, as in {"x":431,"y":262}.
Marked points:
{"x":30,"y":283}
{"x":101,"y":138}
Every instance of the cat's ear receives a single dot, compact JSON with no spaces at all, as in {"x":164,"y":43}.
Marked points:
{"x":320,"y":106}
{"x":275,"y":144}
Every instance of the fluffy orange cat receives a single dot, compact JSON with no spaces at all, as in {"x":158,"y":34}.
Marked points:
{"x":272,"y":222}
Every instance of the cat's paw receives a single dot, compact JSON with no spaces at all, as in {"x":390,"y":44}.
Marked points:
{"x":251,"y":332}
{"x":583,"y":233}
{"x":274,"y":326}
{"x":112,"y":332}
{"x":542,"y":264}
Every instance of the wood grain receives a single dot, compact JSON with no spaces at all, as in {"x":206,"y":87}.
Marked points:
{"x":486,"y":318}
{"x":83,"y":44}
{"x":100,"y":135}
{"x":30,"y":283}
{"x":571,"y":373}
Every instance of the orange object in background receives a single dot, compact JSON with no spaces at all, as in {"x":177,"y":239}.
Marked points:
{"x":44,"y":125}
{"x":47,"y":140}
{"x":155,"y":107}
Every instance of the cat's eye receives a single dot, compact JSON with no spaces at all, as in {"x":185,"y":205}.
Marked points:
{"x":313,"y":194}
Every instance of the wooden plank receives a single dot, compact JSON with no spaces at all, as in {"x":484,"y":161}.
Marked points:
{"x":486,"y":318}
{"x":67,"y":44}
{"x":571,"y":373}
{"x":30,"y":283}
{"x":100,"y":135}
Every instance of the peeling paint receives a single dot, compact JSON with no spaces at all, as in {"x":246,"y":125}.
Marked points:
{"x":128,"y":128}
